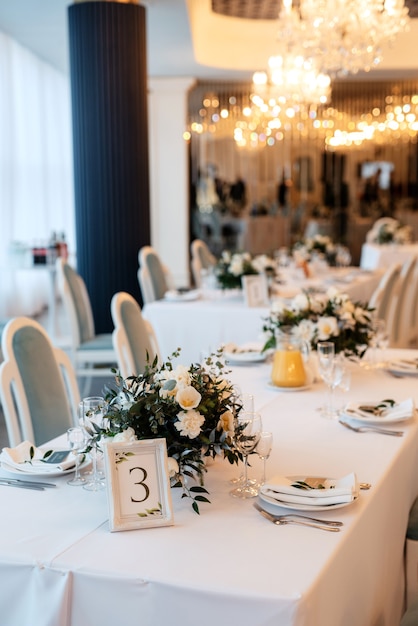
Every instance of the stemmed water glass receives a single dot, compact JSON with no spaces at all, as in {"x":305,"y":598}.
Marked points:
{"x":91,"y":413}
{"x":246,"y":401}
{"x":263,"y":450}
{"x":247,"y":434}
{"x":331,"y":370}
{"x":76,"y":438}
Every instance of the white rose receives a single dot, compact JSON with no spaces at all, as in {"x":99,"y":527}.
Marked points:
{"x":173,"y":467}
{"x":188,"y":397}
{"x":300,"y":302}
{"x":181,"y":375}
{"x":189,"y":423}
{"x":305,"y":330}
{"x":125,"y":435}
{"x":327,"y":327}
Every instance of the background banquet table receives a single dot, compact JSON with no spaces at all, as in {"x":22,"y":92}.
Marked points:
{"x":374,"y":256}
{"x":206,"y":323}
{"x":228,"y":564}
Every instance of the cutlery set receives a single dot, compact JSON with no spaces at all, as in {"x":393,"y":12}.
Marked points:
{"x":373,"y":429}
{"x":300,"y":520}
{"x":25,"y":484}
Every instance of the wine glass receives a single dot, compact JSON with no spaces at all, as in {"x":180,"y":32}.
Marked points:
{"x":247,"y":434}
{"x":246,"y":400}
{"x":76,"y":439}
{"x":263,"y":450}
{"x":381,"y":340}
{"x":330,"y":369}
{"x":91,"y":412}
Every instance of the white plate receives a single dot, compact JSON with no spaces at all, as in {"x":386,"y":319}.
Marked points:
{"x":276,"y":388}
{"x":16,"y":472}
{"x":177,"y":296}
{"x":402,"y":369}
{"x":252,"y":356}
{"x":305,"y":507}
{"x":374,"y":419}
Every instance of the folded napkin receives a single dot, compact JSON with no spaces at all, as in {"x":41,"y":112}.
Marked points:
{"x":250,"y":347}
{"x":399,"y":411}
{"x":408,"y":365}
{"x":20,"y":458}
{"x":179,"y":294}
{"x":311,"y":490}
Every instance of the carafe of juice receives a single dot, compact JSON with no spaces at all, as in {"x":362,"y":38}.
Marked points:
{"x":290,"y":360}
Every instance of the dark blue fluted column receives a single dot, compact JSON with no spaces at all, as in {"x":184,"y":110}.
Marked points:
{"x":110,"y":136}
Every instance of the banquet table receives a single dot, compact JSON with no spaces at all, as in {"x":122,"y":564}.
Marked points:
{"x":202,"y":325}
{"x":60,"y":565}
{"x":374,"y":256}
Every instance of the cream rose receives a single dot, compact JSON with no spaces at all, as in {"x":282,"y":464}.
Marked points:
{"x":188,"y":397}
{"x":189,"y":423}
{"x":327,"y":327}
{"x":173,"y":467}
{"x":125,"y":435}
{"x":226,"y":422}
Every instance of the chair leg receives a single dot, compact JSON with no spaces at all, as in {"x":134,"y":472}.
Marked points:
{"x":411,"y":571}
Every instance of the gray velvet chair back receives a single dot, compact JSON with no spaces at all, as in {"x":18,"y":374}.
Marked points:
{"x":137,"y":334}
{"x":157,"y":275}
{"x":75,"y":286}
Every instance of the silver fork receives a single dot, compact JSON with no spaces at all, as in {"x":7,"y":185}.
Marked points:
{"x":299,"y":520}
{"x":364,"y":429}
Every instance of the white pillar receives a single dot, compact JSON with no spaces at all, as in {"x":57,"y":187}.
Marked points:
{"x":169,"y":174}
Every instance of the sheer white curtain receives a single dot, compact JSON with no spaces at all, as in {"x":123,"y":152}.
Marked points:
{"x":36,"y":176}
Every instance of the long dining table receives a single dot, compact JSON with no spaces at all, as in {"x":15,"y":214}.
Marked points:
{"x":61,"y":566}
{"x":219,"y":317}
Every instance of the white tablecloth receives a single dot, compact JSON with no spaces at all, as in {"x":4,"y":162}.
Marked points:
{"x":374,"y":256}
{"x":60,"y":565}
{"x":203,"y":325}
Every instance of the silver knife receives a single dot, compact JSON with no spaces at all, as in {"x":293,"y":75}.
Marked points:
{"x":29,"y":482}
{"x":8,"y":483}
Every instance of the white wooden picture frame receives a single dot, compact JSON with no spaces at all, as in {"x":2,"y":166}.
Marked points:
{"x":138,"y":484}
{"x":255,"y":290}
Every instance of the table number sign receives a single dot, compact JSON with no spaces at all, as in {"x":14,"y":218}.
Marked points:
{"x":255,"y":290}
{"x":138,"y":484}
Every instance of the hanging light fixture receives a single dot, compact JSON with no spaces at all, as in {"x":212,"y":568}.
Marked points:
{"x":341,"y":37}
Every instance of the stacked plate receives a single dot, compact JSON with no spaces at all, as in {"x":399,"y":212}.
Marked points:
{"x":383,"y":412}
{"x":403,"y":367}
{"x":310,"y":493}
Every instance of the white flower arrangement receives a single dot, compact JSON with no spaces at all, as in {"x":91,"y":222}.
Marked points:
{"x":389,"y":230}
{"x":232,"y":266}
{"x":193,"y":408}
{"x":330,"y":317}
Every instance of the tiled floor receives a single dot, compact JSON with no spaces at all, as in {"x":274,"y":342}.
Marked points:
{"x":62,"y":340}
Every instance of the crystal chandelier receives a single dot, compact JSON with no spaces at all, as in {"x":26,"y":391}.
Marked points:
{"x":340,"y":37}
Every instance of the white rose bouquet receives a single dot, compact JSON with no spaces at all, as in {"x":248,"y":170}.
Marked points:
{"x":193,"y":408}
{"x":231,"y":267}
{"x":330,"y":317}
{"x":392,"y":231}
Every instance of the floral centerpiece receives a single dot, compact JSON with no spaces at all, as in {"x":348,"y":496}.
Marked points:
{"x":391,"y":231}
{"x":330,"y":317}
{"x":318,"y":245}
{"x":193,"y":408}
{"x":232,"y":266}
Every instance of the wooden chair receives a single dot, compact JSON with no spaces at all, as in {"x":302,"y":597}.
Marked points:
{"x":202,"y":259}
{"x":38,"y":386}
{"x":92,"y":355}
{"x":134,"y":339}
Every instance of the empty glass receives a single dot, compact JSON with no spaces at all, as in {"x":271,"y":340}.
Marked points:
{"x":247,"y":435}
{"x":77,"y":440}
{"x":264,"y":447}
{"x":91,"y":413}
{"x":331,"y":367}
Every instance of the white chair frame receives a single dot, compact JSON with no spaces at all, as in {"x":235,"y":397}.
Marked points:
{"x":144,"y":278}
{"x":13,"y":395}
{"x":196,"y":262}
{"x":85,"y":360}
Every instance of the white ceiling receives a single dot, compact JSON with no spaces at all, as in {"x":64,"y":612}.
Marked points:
{"x":41,"y":26}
